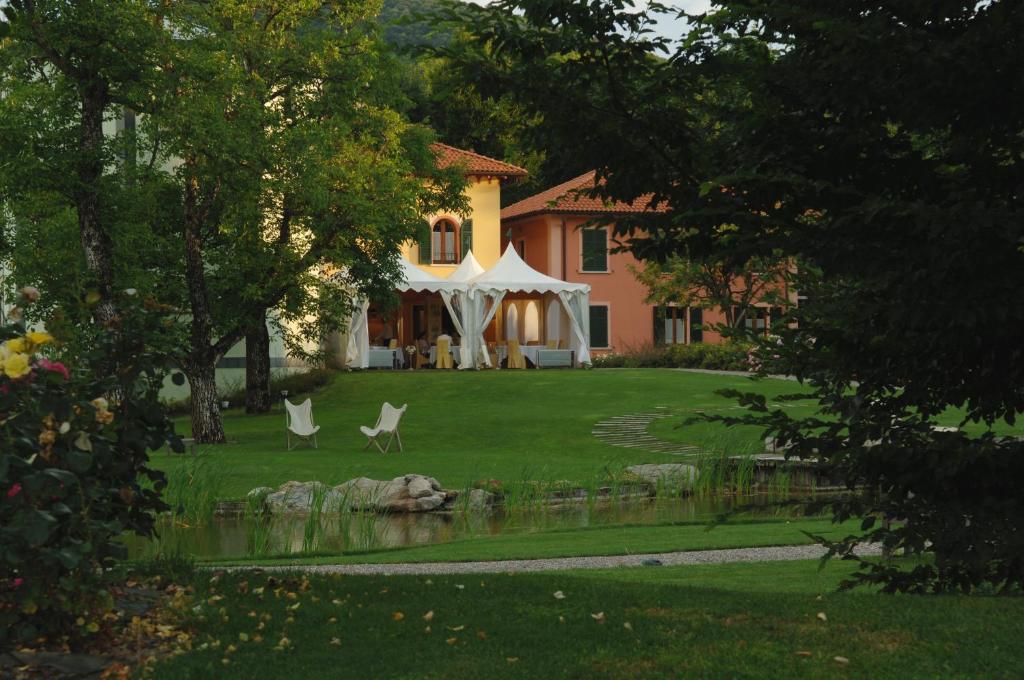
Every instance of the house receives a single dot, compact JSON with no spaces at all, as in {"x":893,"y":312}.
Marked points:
{"x":546,"y":230}
{"x":443,"y":243}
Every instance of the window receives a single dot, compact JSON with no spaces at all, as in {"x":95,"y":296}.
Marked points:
{"x":444,"y":245}
{"x":595,"y":249}
{"x":696,"y":327}
{"x":599,"y":326}
{"x":669,"y":325}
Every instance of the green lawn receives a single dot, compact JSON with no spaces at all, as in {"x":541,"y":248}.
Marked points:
{"x":464,"y":426}
{"x":605,"y":540}
{"x":771,"y":620}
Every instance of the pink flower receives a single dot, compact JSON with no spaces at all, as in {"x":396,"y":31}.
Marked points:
{"x":14,"y":490}
{"x":16,"y":583}
{"x":54,"y":366}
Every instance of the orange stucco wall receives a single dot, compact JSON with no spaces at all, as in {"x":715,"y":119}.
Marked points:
{"x":553,"y":245}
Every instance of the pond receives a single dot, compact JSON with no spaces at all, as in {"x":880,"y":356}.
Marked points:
{"x":247,"y":537}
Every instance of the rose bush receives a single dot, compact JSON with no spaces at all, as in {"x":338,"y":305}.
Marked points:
{"x":74,"y":475}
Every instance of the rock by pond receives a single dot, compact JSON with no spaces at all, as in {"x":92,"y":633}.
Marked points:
{"x":408,"y":493}
{"x":672,"y":474}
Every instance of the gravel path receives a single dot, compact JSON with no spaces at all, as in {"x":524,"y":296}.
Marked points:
{"x":768,"y":554}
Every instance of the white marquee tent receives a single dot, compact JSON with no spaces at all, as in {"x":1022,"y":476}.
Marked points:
{"x":510,"y":275}
{"x":473,"y":296}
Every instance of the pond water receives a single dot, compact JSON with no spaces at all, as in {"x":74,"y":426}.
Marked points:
{"x":352,"y":531}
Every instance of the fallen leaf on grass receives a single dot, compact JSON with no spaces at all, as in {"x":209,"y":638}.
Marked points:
{"x":628,"y":626}
{"x":803,"y":653}
{"x":822,"y":616}
{"x":561,"y":619}
{"x":333,"y":619}
{"x":427,"y":629}
{"x":243,"y":637}
{"x":452,"y":640}
{"x":397,"y":616}
{"x":841,"y":660}
{"x":429,"y":616}
{"x":460,"y":586}
{"x":559,"y":595}
{"x":336,"y":642}
{"x":512,"y":659}
{"x":456,"y":629}
{"x":481,"y":635}
{"x":599,"y":617}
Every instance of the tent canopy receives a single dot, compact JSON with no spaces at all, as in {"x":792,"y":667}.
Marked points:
{"x":469,"y":269}
{"x":511,"y":274}
{"x":416,"y":280}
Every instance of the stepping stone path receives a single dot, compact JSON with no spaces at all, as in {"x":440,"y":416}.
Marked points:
{"x":630,"y":431}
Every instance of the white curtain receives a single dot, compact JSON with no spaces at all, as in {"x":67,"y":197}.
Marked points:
{"x":480,"y":317}
{"x":577,"y":306}
{"x":512,"y":322}
{"x":553,"y":320}
{"x":357,"y":353}
{"x":459,"y":314}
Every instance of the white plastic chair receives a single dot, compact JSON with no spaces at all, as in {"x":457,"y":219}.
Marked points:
{"x":298,"y":420}
{"x":387,"y":423}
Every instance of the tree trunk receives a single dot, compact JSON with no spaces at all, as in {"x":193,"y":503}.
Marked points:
{"x":201,"y":366}
{"x":95,"y":240}
{"x":206,"y":424}
{"x":257,"y":367}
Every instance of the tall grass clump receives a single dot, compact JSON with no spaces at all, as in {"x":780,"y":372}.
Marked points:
{"x":193,"y":489}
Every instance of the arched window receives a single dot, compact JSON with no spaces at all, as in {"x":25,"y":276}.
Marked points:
{"x":444,"y":243}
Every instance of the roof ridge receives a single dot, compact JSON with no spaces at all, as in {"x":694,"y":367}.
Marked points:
{"x":511,"y":169}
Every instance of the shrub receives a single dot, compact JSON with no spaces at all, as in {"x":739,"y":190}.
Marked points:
{"x":74,"y":446}
{"x":728,"y":356}
{"x":295,"y":383}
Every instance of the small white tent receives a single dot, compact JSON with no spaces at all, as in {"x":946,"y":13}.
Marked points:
{"x":511,"y":274}
{"x":413,"y":279}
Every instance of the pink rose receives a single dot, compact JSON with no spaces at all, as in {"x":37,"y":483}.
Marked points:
{"x":54,"y":366}
{"x":16,"y":583}
{"x":14,"y":490}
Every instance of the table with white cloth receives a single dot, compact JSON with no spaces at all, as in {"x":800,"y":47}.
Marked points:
{"x":384,"y":357}
{"x":528,"y":352}
{"x":456,"y":354}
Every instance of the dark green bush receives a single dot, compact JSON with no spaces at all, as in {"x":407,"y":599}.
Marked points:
{"x":295,"y":383}
{"x":71,"y":463}
{"x":728,"y":356}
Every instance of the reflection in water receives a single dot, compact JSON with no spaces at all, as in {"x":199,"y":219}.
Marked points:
{"x":242,"y":537}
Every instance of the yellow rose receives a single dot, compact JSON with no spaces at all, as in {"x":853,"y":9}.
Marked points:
{"x":39,"y":337}
{"x":16,"y":345}
{"x":16,"y":365}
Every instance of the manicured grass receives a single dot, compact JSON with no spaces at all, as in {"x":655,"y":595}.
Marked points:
{"x":749,"y":620}
{"x":465,"y":426}
{"x":611,"y":540}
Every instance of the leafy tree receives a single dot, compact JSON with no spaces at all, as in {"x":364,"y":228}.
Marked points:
{"x":877,"y":145}
{"x":290,"y":162}
{"x":710,"y":284}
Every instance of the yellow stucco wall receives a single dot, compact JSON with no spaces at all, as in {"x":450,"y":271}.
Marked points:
{"x":485,"y":203}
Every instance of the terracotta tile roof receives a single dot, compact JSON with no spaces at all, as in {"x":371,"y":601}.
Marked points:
{"x":563,"y":199}
{"x":475,"y":164}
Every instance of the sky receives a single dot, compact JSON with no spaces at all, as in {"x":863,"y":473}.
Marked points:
{"x":668,"y":26}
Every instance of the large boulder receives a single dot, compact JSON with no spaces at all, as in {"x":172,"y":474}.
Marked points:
{"x":408,"y":493}
{"x":299,"y":498}
{"x":670,"y":474}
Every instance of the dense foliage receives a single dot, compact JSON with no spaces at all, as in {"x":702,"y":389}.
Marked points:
{"x":728,"y":356}
{"x":74,"y":475}
{"x":878,"y":145}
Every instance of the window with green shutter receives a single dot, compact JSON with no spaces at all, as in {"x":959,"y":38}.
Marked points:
{"x":423,"y":239}
{"x":467,"y":237}
{"x":595,"y":249}
{"x":599,"y":326}
{"x":696,"y":329}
